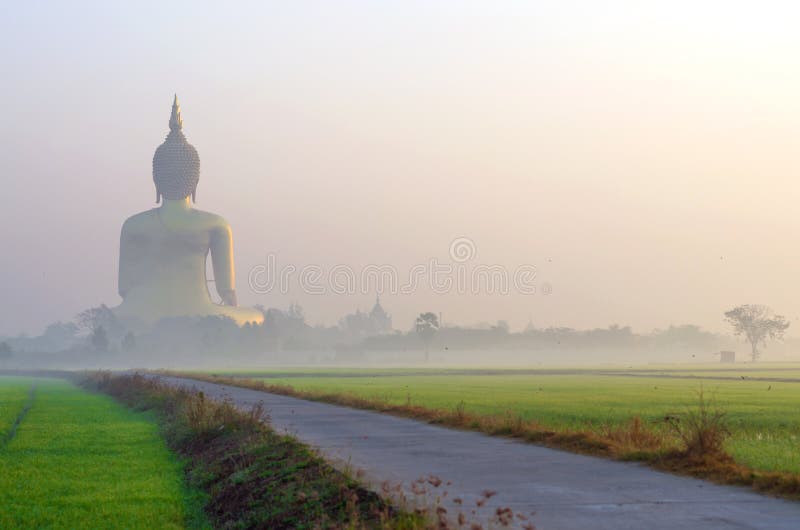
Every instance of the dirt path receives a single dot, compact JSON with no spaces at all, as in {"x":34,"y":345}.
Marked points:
{"x":566,"y":491}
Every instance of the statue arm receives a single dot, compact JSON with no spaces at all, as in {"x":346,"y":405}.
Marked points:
{"x":222,"y":262}
{"x":125,"y":274}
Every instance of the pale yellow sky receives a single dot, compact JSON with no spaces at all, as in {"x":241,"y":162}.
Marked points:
{"x":643,"y":156}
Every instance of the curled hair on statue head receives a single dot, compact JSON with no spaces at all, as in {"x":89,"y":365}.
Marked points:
{"x":176,"y":164}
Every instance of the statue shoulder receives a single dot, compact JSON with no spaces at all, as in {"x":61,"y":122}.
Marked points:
{"x":210,"y":220}
{"x":139,"y":221}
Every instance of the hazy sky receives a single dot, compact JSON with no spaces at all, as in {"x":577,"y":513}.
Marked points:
{"x":643,"y":156}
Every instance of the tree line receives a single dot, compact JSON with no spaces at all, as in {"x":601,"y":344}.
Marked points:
{"x":98,"y":329}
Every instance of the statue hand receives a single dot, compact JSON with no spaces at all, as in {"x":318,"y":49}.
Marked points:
{"x":229,"y":298}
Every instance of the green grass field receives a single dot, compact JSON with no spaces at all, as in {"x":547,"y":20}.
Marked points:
{"x":764,"y":416}
{"x":80,"y":460}
{"x":13,"y":397}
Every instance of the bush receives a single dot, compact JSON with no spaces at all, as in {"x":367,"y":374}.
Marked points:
{"x":701,"y":429}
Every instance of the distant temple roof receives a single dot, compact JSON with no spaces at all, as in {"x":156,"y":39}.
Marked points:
{"x":377,"y":309}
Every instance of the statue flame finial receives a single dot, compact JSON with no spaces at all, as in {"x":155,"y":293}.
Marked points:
{"x":175,"y":121}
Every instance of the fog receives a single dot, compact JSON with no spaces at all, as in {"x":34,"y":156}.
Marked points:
{"x":642,"y":160}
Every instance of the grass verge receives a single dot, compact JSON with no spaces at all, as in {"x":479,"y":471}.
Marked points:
{"x":253,"y":476}
{"x":691,"y":443}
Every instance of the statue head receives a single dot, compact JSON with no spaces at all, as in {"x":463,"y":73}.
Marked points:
{"x":176,"y":166}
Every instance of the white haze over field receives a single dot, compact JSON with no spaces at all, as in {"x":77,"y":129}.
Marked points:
{"x":643,"y":156}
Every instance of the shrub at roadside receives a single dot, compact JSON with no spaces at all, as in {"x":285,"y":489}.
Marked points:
{"x":701,"y":430}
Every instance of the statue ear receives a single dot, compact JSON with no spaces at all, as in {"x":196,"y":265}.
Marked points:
{"x":158,"y":196}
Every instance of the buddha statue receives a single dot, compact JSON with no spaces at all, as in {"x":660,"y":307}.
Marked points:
{"x":163,"y":251}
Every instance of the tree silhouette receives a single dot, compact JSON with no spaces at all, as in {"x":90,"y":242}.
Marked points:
{"x":129,"y":342}
{"x":90,"y":320}
{"x":6,"y":352}
{"x":426,"y":325}
{"x":99,"y":339}
{"x":756,"y":323}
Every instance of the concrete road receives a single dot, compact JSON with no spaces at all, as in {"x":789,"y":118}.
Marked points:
{"x":566,"y":491}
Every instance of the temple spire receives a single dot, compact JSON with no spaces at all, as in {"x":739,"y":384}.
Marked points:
{"x":175,"y":121}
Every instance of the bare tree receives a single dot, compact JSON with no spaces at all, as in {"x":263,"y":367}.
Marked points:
{"x":427,"y":325}
{"x":89,"y":320}
{"x":756,"y":323}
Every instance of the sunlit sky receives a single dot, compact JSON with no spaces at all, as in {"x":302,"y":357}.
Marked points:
{"x":643,"y":156}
